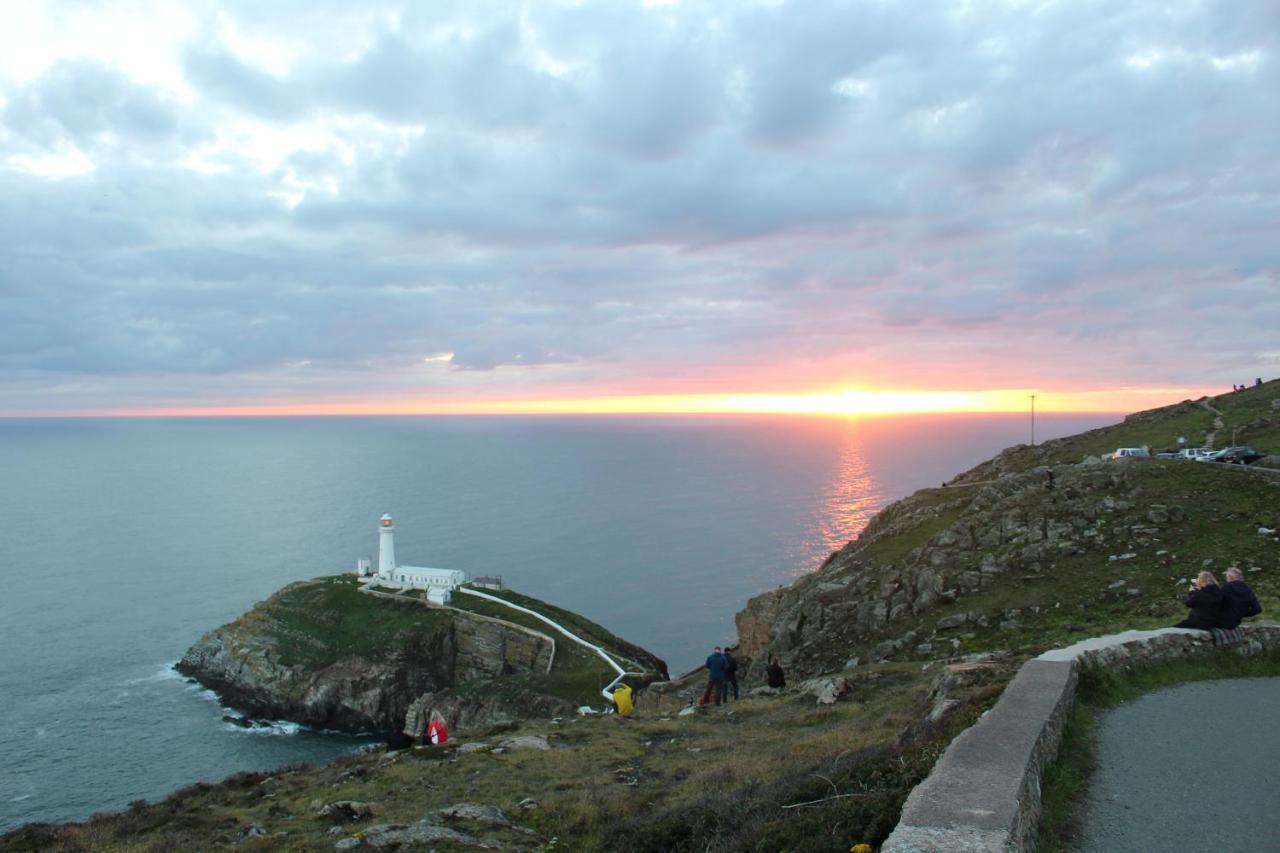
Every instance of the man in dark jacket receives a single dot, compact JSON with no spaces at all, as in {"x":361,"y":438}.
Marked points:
{"x":716,"y":667}
{"x":1238,"y":601}
{"x":730,"y":677}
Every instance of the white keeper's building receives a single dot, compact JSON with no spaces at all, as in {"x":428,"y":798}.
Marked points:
{"x":439,"y":583}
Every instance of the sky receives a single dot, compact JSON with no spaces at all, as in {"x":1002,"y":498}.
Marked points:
{"x":685,"y":206}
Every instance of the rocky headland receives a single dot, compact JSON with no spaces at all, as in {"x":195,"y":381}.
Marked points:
{"x":324,"y":654}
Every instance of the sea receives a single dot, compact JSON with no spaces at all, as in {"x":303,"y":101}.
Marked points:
{"x":123,"y":540}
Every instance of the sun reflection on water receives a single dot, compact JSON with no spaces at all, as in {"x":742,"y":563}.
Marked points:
{"x":847,"y":503}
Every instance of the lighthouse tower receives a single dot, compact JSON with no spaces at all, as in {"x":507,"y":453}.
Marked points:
{"x":386,"y":548}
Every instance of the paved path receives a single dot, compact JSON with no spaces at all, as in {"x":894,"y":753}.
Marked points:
{"x":1193,"y":767}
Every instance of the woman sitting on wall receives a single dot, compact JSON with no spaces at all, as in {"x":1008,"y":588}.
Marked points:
{"x":1205,"y":601}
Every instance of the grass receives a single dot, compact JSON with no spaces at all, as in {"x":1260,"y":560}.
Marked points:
{"x":1066,"y":597}
{"x":1252,"y":413}
{"x":1066,"y":780}
{"x":574,"y":622}
{"x":317,"y":623}
{"x":717,"y":780}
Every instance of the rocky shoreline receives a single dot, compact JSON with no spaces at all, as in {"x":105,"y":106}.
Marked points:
{"x":266,"y":666}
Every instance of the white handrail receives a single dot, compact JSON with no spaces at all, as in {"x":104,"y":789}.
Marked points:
{"x":607,"y":692}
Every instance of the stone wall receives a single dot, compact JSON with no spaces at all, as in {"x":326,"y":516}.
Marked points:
{"x":984,"y":793}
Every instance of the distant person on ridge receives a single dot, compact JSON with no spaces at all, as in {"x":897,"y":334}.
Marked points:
{"x":716,"y":665}
{"x":1238,"y":600}
{"x":730,"y":677}
{"x":777,"y":679}
{"x":1205,"y":601}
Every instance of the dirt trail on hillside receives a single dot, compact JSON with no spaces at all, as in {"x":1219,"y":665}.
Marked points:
{"x":1218,"y":423}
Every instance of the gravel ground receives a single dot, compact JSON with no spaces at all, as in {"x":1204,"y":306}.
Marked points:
{"x":1193,"y":767}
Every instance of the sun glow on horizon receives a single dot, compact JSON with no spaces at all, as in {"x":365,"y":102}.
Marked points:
{"x":854,"y":402}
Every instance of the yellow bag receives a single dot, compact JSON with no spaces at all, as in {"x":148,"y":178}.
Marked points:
{"x":622,"y":699}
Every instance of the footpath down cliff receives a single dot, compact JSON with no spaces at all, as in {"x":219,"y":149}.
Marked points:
{"x":324,"y":654}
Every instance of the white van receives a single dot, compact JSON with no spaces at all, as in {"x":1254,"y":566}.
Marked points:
{"x":1130,"y":452}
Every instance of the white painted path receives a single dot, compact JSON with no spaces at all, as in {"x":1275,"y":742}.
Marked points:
{"x":607,"y":692}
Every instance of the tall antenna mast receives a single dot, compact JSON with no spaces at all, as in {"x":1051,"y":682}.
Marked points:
{"x":1033,"y":420}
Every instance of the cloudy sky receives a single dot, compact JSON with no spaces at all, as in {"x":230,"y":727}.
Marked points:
{"x":403,"y":206}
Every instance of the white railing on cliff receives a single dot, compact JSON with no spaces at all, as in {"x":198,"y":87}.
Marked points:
{"x":607,"y":692}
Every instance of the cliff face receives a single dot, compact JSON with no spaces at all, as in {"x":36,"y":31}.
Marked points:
{"x":1029,"y":548}
{"x":294,"y":657}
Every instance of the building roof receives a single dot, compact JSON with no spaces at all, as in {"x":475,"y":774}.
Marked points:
{"x":423,"y":570}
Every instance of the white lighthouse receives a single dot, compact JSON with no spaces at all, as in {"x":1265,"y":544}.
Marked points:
{"x":439,"y":584}
{"x":386,"y":547}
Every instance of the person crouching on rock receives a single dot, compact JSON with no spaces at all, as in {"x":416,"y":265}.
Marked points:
{"x":1205,"y":601}
{"x":777,"y":678}
{"x":716,"y":666}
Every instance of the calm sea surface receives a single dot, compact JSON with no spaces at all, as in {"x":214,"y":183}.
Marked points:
{"x":122,"y":541}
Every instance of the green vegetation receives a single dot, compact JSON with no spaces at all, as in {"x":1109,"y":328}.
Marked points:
{"x":1087,"y":594}
{"x":1255,"y":419}
{"x":317,"y":623}
{"x":575,"y":623}
{"x":775,"y":773}
{"x":576,"y":676}
{"x":1067,"y":778}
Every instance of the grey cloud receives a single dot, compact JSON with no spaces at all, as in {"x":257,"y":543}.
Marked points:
{"x":79,"y":101}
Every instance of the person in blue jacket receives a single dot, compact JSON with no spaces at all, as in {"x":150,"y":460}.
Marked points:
{"x":1238,"y":601}
{"x":716,"y":670}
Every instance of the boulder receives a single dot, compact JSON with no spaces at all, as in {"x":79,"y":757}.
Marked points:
{"x":475,"y":812}
{"x":346,"y":811}
{"x":526,"y":742}
{"x":827,"y":690}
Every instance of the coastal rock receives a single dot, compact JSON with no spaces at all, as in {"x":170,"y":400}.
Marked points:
{"x":323,"y":654}
{"x":526,"y":742}
{"x":346,"y":811}
{"x":828,"y":690}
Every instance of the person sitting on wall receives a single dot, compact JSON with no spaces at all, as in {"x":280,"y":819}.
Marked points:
{"x":1205,"y":601}
{"x":1238,"y":601}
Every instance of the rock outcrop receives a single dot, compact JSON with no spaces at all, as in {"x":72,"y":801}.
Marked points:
{"x":323,"y":654}
{"x":1036,"y":531}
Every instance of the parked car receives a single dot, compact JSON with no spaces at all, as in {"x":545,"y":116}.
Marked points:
{"x":1169,"y":454}
{"x":1130,"y":453}
{"x":1194,"y":453}
{"x":1235,"y":455}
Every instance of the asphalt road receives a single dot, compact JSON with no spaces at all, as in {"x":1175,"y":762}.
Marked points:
{"x":1194,"y":767}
